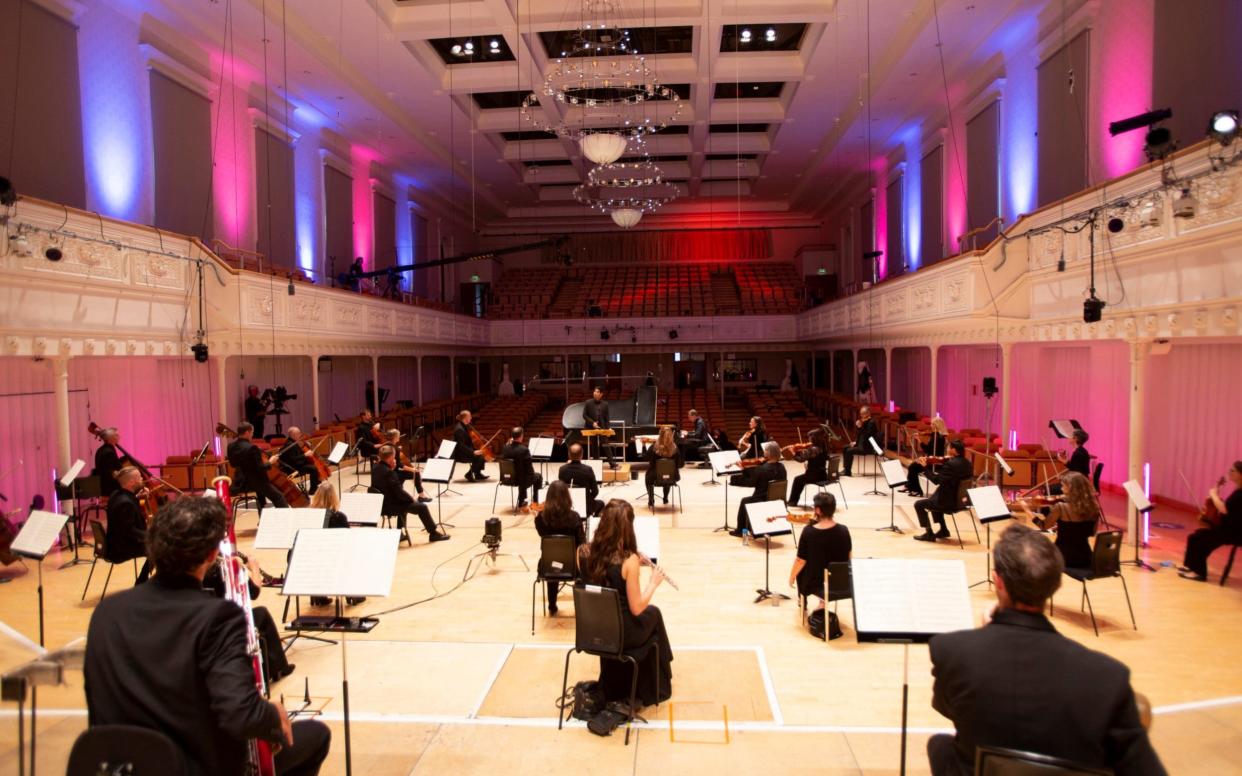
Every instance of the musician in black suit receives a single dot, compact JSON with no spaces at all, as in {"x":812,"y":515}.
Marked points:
{"x":294,"y":461}
{"x":108,"y":461}
{"x":127,"y":522}
{"x":1018,"y":684}
{"x":523,"y":470}
{"x":816,"y":459}
{"x":771,"y":470}
{"x":255,"y":410}
{"x":577,"y":474}
{"x":364,"y":435}
{"x":867,"y":430}
{"x":934,"y":446}
{"x":247,"y":460}
{"x":169,"y":657}
{"x":693,"y":441}
{"x":406,"y":472}
{"x":948,"y":478}
{"x":397,"y":502}
{"x":1079,"y":460}
{"x":464,"y":452}
{"x":595,"y":414}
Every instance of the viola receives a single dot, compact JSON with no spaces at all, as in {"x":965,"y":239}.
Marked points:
{"x":791,"y":451}
{"x":1209,"y":515}
{"x":748,"y":462}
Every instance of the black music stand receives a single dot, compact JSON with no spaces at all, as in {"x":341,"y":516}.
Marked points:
{"x":768,"y":519}
{"x":195,"y":462}
{"x":440,"y":471}
{"x":76,"y":488}
{"x":1142,"y":508}
{"x":894,"y":475}
{"x":712,"y":480}
{"x":989,"y":505}
{"x":728,"y":462}
{"x":875,"y":473}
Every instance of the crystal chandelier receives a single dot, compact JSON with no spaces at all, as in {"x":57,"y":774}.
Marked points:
{"x":624,"y":175}
{"x":643,"y":197}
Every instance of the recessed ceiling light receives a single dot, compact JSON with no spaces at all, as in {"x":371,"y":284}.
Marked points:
{"x":770,"y":35}
{"x":746,"y":36}
{"x":456,"y":50}
{"x":495,"y":45}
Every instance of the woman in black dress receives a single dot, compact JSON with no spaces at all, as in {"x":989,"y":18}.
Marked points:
{"x":665,"y":448}
{"x":1074,"y":520}
{"x":558,"y":518}
{"x":750,"y":445}
{"x":612,"y":560}
{"x":816,"y":459}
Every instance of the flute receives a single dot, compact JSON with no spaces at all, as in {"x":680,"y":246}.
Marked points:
{"x":647,"y":562}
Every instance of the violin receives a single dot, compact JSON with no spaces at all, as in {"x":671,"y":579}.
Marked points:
{"x":748,"y":462}
{"x":743,"y":444}
{"x":791,"y":451}
{"x":1209,"y":515}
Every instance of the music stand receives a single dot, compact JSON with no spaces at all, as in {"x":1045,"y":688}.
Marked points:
{"x":70,"y":482}
{"x":447,"y":448}
{"x":1143,"y":507}
{"x":725,"y":462}
{"x":708,"y":464}
{"x":894,"y":475}
{"x":989,"y":505}
{"x":646,"y":534}
{"x":875,"y":473}
{"x":363,"y":508}
{"x":768,"y":519}
{"x":335,"y":457}
{"x":907,"y":601}
{"x":278,"y":528}
{"x":34,"y":541}
{"x":440,"y":471}
{"x":338,"y":564}
{"x":541,"y":451}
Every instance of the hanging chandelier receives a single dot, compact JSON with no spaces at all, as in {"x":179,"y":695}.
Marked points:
{"x":642,"y":197}
{"x":626,"y":217}
{"x":624,"y":175}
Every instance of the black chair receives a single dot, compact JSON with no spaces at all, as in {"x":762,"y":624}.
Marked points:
{"x":998,"y":761}
{"x":840,"y":588}
{"x":666,"y":477}
{"x":508,"y":479}
{"x":388,"y":521}
{"x":963,"y":505}
{"x":1095,"y":476}
{"x":100,"y":537}
{"x":1224,"y":577}
{"x":1105,"y":562}
{"x":558,"y":562}
{"x":834,"y":478}
{"x":777,"y":490}
{"x":127,"y":749}
{"x":600,"y":631}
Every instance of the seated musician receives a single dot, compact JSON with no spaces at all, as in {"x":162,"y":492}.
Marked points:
{"x":107,"y":461}
{"x":595,"y":415}
{"x":397,"y":502}
{"x":365,"y":435}
{"x":464,"y":452}
{"x":251,"y":470}
{"x":933,"y":447}
{"x":750,"y":445}
{"x":405,"y":468}
{"x":822,"y":542}
{"x":1074,"y":519}
{"x":1227,"y":529}
{"x":524,"y":473}
{"x":948,"y":478}
{"x":771,"y":470}
{"x":558,"y":518}
{"x":693,"y":442}
{"x":1079,"y":460}
{"x":663,"y":449}
{"x":276,"y":665}
{"x":816,"y":459}
{"x":127,"y":522}
{"x":168,"y":657}
{"x":867,"y":430}
{"x":611,"y":560}
{"x":577,"y":474}
{"x":295,"y":461}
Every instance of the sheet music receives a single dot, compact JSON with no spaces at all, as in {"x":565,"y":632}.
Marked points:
{"x":725,"y":462}
{"x":910,"y":599}
{"x":760,"y":511}
{"x":338,"y":453}
{"x":362,"y":507}
{"x":597,"y":467}
{"x":989,"y":503}
{"x":894,"y":472}
{"x":38,"y":533}
{"x":646,"y":531}
{"x":875,"y":446}
{"x":73,"y":473}
{"x":541,"y":447}
{"x":1064,"y":428}
{"x":439,"y":470}
{"x":357,"y":562}
{"x":447,"y":446}
{"x":1137,"y":497}
{"x":579,"y":499}
{"x":278,"y":526}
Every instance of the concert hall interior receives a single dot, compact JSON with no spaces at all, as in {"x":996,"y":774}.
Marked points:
{"x":971,"y":268}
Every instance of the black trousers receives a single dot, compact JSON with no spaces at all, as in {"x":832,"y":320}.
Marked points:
{"x":311,"y":741}
{"x":311,"y":472}
{"x":553,"y":587}
{"x":476,"y":466}
{"x":265,"y":491}
{"x":1201,"y":544}
{"x":943,"y":758}
{"x":801,"y":481}
{"x":913,"y":484}
{"x":274,"y":662}
{"x":847,"y":461}
{"x":536,"y":482}
{"x":423,"y":513}
{"x":922,"y":507}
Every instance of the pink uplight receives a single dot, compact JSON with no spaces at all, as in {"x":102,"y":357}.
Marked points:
{"x":1122,"y":54}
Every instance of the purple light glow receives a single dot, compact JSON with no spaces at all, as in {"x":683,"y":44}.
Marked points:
{"x":1121,"y":54}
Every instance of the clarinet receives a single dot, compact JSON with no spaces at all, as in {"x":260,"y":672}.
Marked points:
{"x":260,"y":760}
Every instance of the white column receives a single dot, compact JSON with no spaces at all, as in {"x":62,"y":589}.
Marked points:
{"x":60,"y":391}
{"x":1138,"y":367}
{"x":1006,"y":388}
{"x":222,"y":389}
{"x":888,"y":375}
{"x":375,"y":384}
{"x":935,"y":353}
{"x":418,"y":367}
{"x":315,"y":389}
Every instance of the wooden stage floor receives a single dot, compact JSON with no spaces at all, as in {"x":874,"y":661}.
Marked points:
{"x":458,"y":684}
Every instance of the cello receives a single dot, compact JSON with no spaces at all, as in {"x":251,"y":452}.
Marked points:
{"x":292,"y":494}
{"x":482,"y":446}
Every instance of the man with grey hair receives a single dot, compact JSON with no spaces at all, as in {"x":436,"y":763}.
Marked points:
{"x":1018,"y":684}
{"x":108,"y":461}
{"x":766,"y":473}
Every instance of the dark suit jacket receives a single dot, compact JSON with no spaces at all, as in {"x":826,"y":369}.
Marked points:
{"x":363,"y":439}
{"x":255,"y":411}
{"x":464,"y":452}
{"x":247,"y":459}
{"x":816,"y":463}
{"x":168,"y":656}
{"x":107,"y":462}
{"x":699,"y":433}
{"x":766,"y":474}
{"x":293,"y":460}
{"x":577,"y":474}
{"x":948,"y":477}
{"x":386,"y":481}
{"x":868,"y":430}
{"x":572,"y":525}
{"x":935,"y":445}
{"x":523,"y":469}
{"x":1017,"y":683}
{"x":1080,"y":461}
{"x":596,"y":411}
{"x":127,"y":527}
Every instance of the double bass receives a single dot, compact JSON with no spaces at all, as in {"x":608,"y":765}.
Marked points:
{"x":151,"y":483}
{"x":292,"y":494}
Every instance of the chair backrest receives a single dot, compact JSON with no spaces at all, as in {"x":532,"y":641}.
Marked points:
{"x":962,"y":495}
{"x":998,"y":761}
{"x":777,"y":490}
{"x":834,"y":467}
{"x":124,"y":749}
{"x":599,"y":628}
{"x":1106,"y":557}
{"x":100,"y":537}
{"x":840,"y":581}
{"x":508,"y":472}
{"x":1095,"y":476}
{"x":666,"y":468}
{"x":558,"y":556}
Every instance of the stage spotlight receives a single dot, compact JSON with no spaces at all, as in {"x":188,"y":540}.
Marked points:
{"x":1158,"y":144}
{"x":8,"y":195}
{"x":1092,"y":309}
{"x":1139,"y":121}
{"x":1115,"y":225}
{"x":1186,"y":205}
{"x":1223,"y":127}
{"x":672,"y":334}
{"x":199,"y":349}
{"x":604,"y":334}
{"x":53,"y":254}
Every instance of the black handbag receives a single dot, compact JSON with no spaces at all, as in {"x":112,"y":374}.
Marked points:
{"x":816,"y":624}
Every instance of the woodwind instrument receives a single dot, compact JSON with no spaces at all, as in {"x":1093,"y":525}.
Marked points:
{"x":643,"y":559}
{"x":237,"y":589}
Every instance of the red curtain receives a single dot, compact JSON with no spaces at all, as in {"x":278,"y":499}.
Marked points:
{"x":703,"y":245}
